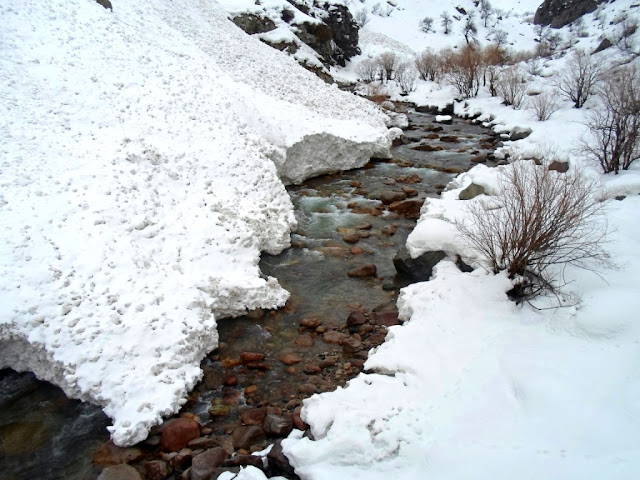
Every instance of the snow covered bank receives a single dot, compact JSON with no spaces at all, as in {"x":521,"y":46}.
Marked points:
{"x":143,"y":159}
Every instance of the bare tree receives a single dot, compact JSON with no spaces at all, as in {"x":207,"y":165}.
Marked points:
{"x":406,"y":76}
{"x":543,"y":105}
{"x":511,"y":87}
{"x":428,"y":65}
{"x":470,"y":30}
{"x":579,"y":79}
{"x":615,"y":125}
{"x":463,"y":70}
{"x":486,"y":11}
{"x":368,"y":70}
{"x":539,"y":222}
{"x":426,"y":25}
{"x":387,"y":62}
{"x":500,"y":37}
{"x":445,"y":21}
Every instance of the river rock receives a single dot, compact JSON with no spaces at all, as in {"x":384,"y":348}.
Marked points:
{"x":203,"y":465}
{"x":411,"y":192}
{"x":243,"y":461}
{"x":290,"y":358}
{"x":351,"y":345}
{"x":157,"y":470}
{"x":366,"y":270}
{"x":351,"y":237}
{"x":385,"y":318}
{"x":278,"y":425}
{"x":212,"y":378}
{"x":449,"y":139}
{"x":410,"y":178}
{"x":297,"y":420}
{"x":407,"y":208}
{"x":355,"y":319}
{"x":253,"y":416}
{"x":307,"y":388}
{"x":392,"y":196}
{"x":250,"y":357}
{"x":416,"y":269}
{"x":328,"y":362}
{"x":425,"y":147}
{"x":304,"y":341}
{"x":519,"y":133}
{"x":119,"y":472}
{"x":333,"y":336}
{"x":311,"y":369}
{"x":560,"y":167}
{"x":472,"y":191}
{"x":278,"y":462}
{"x":177,"y":433}
{"x":245,"y":436}
{"x":311,"y":322}
{"x":203,"y":442}
{"x":110,"y":454}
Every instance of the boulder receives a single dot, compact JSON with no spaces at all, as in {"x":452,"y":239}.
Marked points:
{"x":356,"y":319}
{"x":408,"y":208}
{"x":366,"y":270}
{"x":157,"y":470}
{"x":203,"y":465}
{"x":119,"y":472}
{"x":519,"y":133}
{"x":604,"y":44}
{"x":278,"y":463}
{"x":558,"y":13}
{"x":472,"y":191}
{"x":561,"y":167}
{"x":389,"y":197}
{"x":417,"y":269}
{"x":110,"y":454}
{"x":106,"y":4}
{"x":178,"y":433}
{"x":278,"y":425}
{"x":245,"y":436}
{"x":252,"y":23}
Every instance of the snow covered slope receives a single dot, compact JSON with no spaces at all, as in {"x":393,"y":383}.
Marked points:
{"x":143,"y":154}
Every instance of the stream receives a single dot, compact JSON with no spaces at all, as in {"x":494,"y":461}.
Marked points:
{"x":339,"y":309}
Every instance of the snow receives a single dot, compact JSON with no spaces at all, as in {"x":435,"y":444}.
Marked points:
{"x":144,"y":156}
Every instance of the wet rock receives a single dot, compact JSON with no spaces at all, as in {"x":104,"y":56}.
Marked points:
{"x":253,"y":416}
{"x":257,"y":365}
{"x":203,"y":442}
{"x":389,"y":231}
{"x":328,"y":362}
{"x":249,"y":357}
{"x":427,"y":109}
{"x":365,"y":209}
{"x":389,"y":181}
{"x":392,"y":196}
{"x":310,"y":322}
{"x":356,"y":250}
{"x":407,"y":208}
{"x":203,"y":465}
{"x":432,"y":136}
{"x":351,"y":345}
{"x":307,"y":388}
{"x":110,"y":454}
{"x":356,"y":318}
{"x":385,"y":318}
{"x":182,"y":459}
{"x":290,"y":358}
{"x":472,"y":191}
{"x":416,"y":269}
{"x":304,"y":341}
{"x":297,"y":420}
{"x":250,"y":390}
{"x":157,"y":470}
{"x":447,"y":109}
{"x":230,"y":379}
{"x":311,"y":369}
{"x":245,"y":436}
{"x":479,"y":159}
{"x":243,"y":461}
{"x":213,"y":378}
{"x":278,"y":425}
{"x":278,"y":462}
{"x":410,"y":179}
{"x":455,"y":170}
{"x":519,"y":133}
{"x":560,"y":167}
{"x":410,"y":192}
{"x":218,"y":410}
{"x":366,"y":270}
{"x":119,"y":472}
{"x":351,"y":237}
{"x":428,"y":148}
{"x":177,"y":433}
{"x":449,"y":139}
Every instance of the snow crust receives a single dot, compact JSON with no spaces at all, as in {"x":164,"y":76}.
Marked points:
{"x":144,"y":153}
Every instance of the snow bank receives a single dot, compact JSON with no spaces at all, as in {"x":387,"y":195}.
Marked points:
{"x":143,"y":159}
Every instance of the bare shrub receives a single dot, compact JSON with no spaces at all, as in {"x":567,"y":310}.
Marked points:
{"x":500,"y":37}
{"x":494,"y":57}
{"x":406,"y":77}
{"x":445,"y":21}
{"x":362,"y":16}
{"x":544,"y":105}
{"x":534,"y":66}
{"x":511,"y":87}
{"x":486,"y":11}
{"x":464,"y":70}
{"x":426,"y":25}
{"x":615,"y":124}
{"x":428,"y":65}
{"x":470,"y":30}
{"x":578,"y":81}
{"x":368,"y":70}
{"x":539,"y":222}
{"x":624,"y":36}
{"x":387,"y":63}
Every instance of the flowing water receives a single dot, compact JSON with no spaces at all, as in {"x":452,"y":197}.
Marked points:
{"x":343,"y":225}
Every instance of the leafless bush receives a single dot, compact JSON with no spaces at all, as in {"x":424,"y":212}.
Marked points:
{"x":534,"y":66}
{"x":406,"y":76}
{"x":615,"y":124}
{"x":624,"y":36}
{"x":426,"y":25}
{"x":511,"y":87}
{"x":387,"y":63}
{"x":464,"y":70}
{"x":578,"y":81}
{"x":544,"y":105}
{"x":539,"y":222}
{"x":368,"y":70}
{"x":445,"y":21}
{"x":362,"y":16}
{"x":470,"y":30}
{"x":486,"y":11}
{"x":428,"y":65}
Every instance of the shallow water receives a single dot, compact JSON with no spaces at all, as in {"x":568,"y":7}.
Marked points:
{"x":45,"y":435}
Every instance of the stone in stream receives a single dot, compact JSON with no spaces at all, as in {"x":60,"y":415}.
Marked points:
{"x":449,"y":139}
{"x":428,"y":148}
{"x":177,"y":433}
{"x":389,"y":197}
{"x":307,"y":388}
{"x":119,"y":472}
{"x":351,"y":345}
{"x":355,"y":319}
{"x":251,"y":357}
{"x":290,"y":358}
{"x":245,"y":436}
{"x":157,"y":470}
{"x":411,"y":192}
{"x":408,"y":208}
{"x":278,"y":425}
{"x":203,"y":442}
{"x":333,"y":336}
{"x":311,"y":369}
{"x":297,"y":420}
{"x":410,"y":178}
{"x":203,"y":465}
{"x":363,"y":271}
{"x":311,"y":322}
{"x":305,"y":341}
{"x":351,"y":237}
{"x":417,"y":269}
{"x":385,"y":318}
{"x":253,"y":416}
{"x":243,"y":461}
{"x":110,"y":454}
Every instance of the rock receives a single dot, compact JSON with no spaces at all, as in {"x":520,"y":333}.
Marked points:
{"x":356,"y":251}
{"x":462,"y":266}
{"x":243,"y":461}
{"x":213,"y":378}
{"x":558,"y":13}
{"x":119,"y":472}
{"x":252,"y":23}
{"x":411,"y":192}
{"x":392,"y":196}
{"x":604,"y":44}
{"x":278,"y":463}
{"x":203,"y":465}
{"x":218,"y":410}
{"x":157,"y":470}
{"x":307,"y":388}
{"x":351,"y":237}
{"x":449,"y":139}
{"x":519,"y":133}
{"x":178,"y":433}
{"x":203,"y":442}
{"x":106,"y":4}
{"x":407,"y":209}
{"x":311,"y":322}
{"x":416,"y":269}
{"x":426,"y":109}
{"x":250,"y":357}
{"x":305,"y":341}
{"x":290,"y":358}
{"x":385,"y":318}
{"x":333,"y":336}
{"x":479,"y":159}
{"x":311,"y":369}
{"x":278,"y":425}
{"x":561,"y":167}
{"x":351,"y":345}
{"x":447,"y":109}
{"x":183,"y":458}
{"x":328,"y":362}
{"x":253,"y":416}
{"x":355,"y":319}
{"x":411,"y":179}
{"x":472,"y":191}
{"x":245,"y":436}
{"x":428,"y":148}
{"x":445,"y":119}
{"x":110,"y":454}
{"x":297,"y":420}
{"x":432,"y":136}
{"x":366,"y":270}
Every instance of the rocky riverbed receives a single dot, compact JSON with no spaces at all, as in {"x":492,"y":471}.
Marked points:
{"x":344,"y":284}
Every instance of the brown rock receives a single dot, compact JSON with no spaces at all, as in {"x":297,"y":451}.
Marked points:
{"x":366,"y":270}
{"x":356,"y":250}
{"x":351,"y":237}
{"x":244,"y":437}
{"x":110,"y":454}
{"x":119,"y":472}
{"x":432,"y":136}
{"x":449,"y":139}
{"x":408,"y":208}
{"x":257,"y":365}
{"x":328,"y":362}
{"x":356,"y":318}
{"x":410,"y":178}
{"x":307,"y":388}
{"x":392,"y":196}
{"x":251,"y":389}
{"x":479,"y":159}
{"x":213,"y":378}
{"x":311,"y":369}
{"x":304,"y":341}
{"x":333,"y":336}
{"x":411,"y":192}
{"x":157,"y":470}
{"x":311,"y":322}
{"x":182,"y":459}
{"x":243,"y":461}
{"x":230,"y":362}
{"x":279,"y":462}
{"x":297,"y":420}
{"x":290,"y":358}
{"x":560,"y":167}
{"x":177,"y":433}
{"x":351,"y":345}
{"x":428,"y":148}
{"x":278,"y":425}
{"x":230,"y":379}
{"x":253,"y":416}
{"x":365,"y":210}
{"x":203,"y":442}
{"x":385,"y":318}
{"x":203,"y":465}
{"x":250,"y":357}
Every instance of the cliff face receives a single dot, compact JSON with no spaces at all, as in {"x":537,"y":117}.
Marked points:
{"x":558,"y":13}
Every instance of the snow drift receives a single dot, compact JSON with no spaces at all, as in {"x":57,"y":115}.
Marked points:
{"x":143,"y":157}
